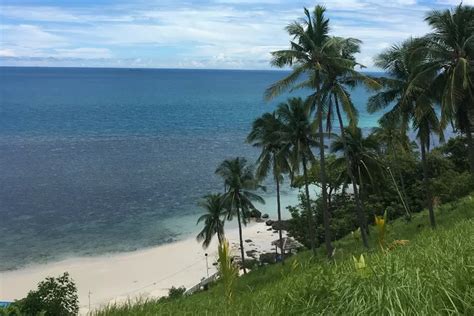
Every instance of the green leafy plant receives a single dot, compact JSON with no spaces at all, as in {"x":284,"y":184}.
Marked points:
{"x":54,"y":296}
{"x":227,"y":269}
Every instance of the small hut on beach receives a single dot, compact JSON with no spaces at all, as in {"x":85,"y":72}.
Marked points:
{"x":287,"y":245}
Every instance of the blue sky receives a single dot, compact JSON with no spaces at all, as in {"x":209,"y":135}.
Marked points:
{"x":231,"y":34}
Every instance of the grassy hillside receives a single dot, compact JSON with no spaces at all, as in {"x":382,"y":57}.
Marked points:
{"x":432,"y":274}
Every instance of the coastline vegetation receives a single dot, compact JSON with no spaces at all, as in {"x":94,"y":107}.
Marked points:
{"x":428,"y":84}
{"x":370,"y":251}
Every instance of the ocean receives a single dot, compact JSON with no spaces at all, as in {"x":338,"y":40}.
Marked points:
{"x":96,"y":161}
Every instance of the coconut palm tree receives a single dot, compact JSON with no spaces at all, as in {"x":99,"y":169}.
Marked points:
{"x":362,"y":154}
{"x":310,"y":54}
{"x":412,"y":100}
{"x":240,"y":181}
{"x":299,"y":136}
{"x":266,"y":134}
{"x":335,"y":93}
{"x":393,"y":140}
{"x":213,"y":221}
{"x":426,"y":122}
{"x":450,"y":61}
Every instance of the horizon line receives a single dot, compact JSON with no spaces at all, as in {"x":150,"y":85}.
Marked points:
{"x":165,"y":68}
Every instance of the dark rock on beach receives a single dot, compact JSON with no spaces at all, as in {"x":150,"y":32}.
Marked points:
{"x":255,"y":213}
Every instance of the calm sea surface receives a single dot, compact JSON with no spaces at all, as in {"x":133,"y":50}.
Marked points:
{"x":108,"y":160}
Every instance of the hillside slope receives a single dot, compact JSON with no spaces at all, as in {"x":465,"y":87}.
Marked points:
{"x":432,"y":274}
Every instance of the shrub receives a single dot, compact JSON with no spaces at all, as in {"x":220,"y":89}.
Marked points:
{"x":54,"y":296}
{"x":176,"y":292}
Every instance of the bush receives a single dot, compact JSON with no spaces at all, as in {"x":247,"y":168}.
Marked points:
{"x":54,"y":296}
{"x":176,"y":292}
{"x":452,"y":185}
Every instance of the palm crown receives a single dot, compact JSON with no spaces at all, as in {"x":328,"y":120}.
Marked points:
{"x":213,"y":222}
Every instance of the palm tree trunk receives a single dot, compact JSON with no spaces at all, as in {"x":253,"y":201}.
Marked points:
{"x":429,"y":201}
{"x":362,"y":198}
{"x":359,"y":207}
{"x":240,"y":238}
{"x":322,"y":162}
{"x":279,"y":217}
{"x":308,"y":208}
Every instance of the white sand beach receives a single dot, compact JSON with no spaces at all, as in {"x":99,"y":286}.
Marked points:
{"x":140,"y":274}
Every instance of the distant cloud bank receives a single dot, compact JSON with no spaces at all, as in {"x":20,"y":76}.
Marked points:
{"x":235,"y":34}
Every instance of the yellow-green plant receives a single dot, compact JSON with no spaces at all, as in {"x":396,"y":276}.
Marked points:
{"x":361,"y":266}
{"x":359,"y":263}
{"x":381,"y":224}
{"x":227,"y":269}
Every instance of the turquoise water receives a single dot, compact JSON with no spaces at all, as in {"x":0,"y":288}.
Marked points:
{"x":108,"y":160}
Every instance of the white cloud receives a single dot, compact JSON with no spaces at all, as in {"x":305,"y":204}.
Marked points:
{"x":28,"y":36}
{"x":7,"y":53}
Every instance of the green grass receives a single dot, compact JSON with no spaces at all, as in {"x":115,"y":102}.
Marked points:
{"x":433,"y":274}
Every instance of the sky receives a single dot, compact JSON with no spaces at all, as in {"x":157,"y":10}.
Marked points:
{"x":212,"y":34}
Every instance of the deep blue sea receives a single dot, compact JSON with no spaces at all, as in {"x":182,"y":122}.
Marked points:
{"x":107,"y":160}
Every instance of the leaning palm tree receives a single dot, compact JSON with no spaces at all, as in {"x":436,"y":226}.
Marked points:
{"x":310,"y":54}
{"x":298,"y":135}
{"x":213,"y":222}
{"x":412,"y":100}
{"x":240,"y":181}
{"x":266,"y":134}
{"x":450,"y":60}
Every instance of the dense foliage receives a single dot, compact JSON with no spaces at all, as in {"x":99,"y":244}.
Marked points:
{"x":449,"y":180}
{"x":53,"y":297}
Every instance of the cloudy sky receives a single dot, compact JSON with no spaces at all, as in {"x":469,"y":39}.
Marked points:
{"x":233,"y":34}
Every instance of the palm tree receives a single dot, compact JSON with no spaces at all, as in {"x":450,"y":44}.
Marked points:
{"x":266,"y":134}
{"x":310,"y":54}
{"x":450,"y":61}
{"x":413,"y":101}
{"x":393,"y":140}
{"x":240,"y":181}
{"x":362,"y":154}
{"x":334,"y":92}
{"x":298,"y":136}
{"x":425,"y":122}
{"x":213,"y":224}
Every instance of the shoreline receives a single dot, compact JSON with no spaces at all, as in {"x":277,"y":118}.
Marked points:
{"x":141,"y":274}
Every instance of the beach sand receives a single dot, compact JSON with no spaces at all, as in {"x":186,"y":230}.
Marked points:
{"x":133,"y":275}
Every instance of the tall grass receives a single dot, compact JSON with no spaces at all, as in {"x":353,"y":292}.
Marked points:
{"x":432,"y":274}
